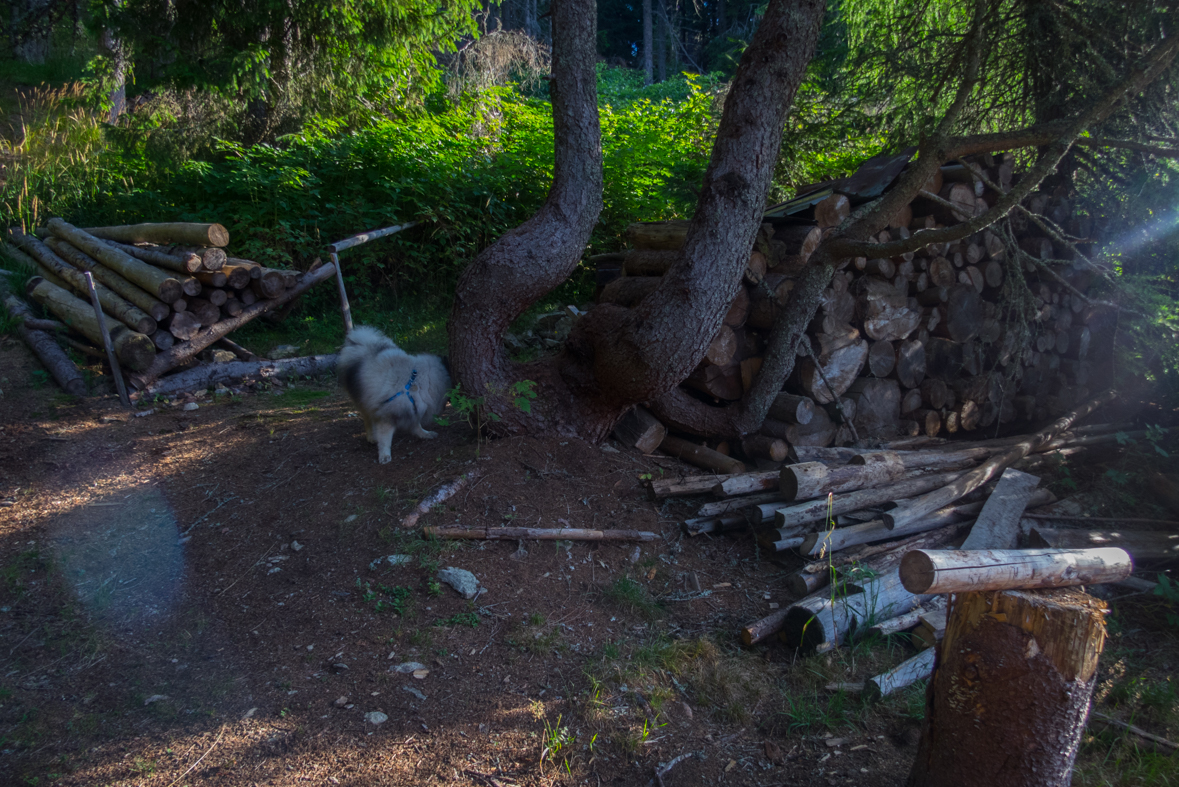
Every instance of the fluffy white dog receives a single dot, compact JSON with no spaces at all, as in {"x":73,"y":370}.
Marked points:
{"x":393,"y":390}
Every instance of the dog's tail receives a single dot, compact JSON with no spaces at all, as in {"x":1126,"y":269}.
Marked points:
{"x":367,"y":337}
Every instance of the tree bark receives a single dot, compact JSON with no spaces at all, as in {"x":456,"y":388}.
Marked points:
{"x":1007,"y":703}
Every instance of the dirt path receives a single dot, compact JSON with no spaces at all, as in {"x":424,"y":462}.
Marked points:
{"x":198,"y":597}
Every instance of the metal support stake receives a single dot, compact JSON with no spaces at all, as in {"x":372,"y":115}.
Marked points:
{"x":344,"y":307}
{"x":106,"y":341}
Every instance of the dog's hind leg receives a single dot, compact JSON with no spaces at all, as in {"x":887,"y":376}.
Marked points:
{"x":368,"y":428}
{"x":417,"y":431}
{"x":383,"y":431}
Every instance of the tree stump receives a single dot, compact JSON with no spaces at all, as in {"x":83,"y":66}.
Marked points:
{"x":1008,"y":700}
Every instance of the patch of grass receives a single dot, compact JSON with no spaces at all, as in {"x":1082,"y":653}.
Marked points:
{"x":631,"y":597}
{"x":556,"y":743}
{"x":421,"y":638}
{"x":394,"y":599}
{"x":1112,"y":759}
{"x":470,"y":619}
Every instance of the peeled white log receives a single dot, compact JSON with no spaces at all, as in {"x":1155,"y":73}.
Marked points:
{"x":908,"y":672}
{"x":816,"y":510}
{"x":824,"y":620}
{"x":960,"y":571}
{"x":746,"y":483}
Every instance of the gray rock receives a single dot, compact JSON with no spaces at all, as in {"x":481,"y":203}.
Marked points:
{"x":375,"y":717}
{"x":414,"y":692}
{"x":461,"y":580}
{"x":284,"y":351}
{"x":408,"y":668}
{"x":340,"y":702}
{"x":393,"y":560}
{"x":190,"y":407}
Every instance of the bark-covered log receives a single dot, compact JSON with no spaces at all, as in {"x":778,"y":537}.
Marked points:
{"x":1029,"y":661}
{"x":47,"y":351}
{"x":208,"y":375}
{"x":639,"y":429}
{"x":763,"y":447}
{"x":700,"y":455}
{"x":112,"y":303}
{"x":792,"y":409}
{"x":962,"y":570}
{"x":181,"y":262}
{"x":184,"y":233}
{"x":814,"y":479}
{"x":134,"y":350}
{"x":657,"y":235}
{"x":109,"y":278}
{"x":155,"y":281}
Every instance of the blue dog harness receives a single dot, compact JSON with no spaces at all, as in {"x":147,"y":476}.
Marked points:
{"x":412,"y":379}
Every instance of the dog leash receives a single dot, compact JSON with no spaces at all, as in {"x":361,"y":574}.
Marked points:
{"x":412,"y":379}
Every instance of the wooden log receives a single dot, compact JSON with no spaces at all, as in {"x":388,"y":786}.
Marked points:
{"x":792,"y":409}
{"x":930,"y":631}
{"x":657,"y":235}
{"x":247,"y":297}
{"x":910,"y":363}
{"x":940,"y":498}
{"x":700,"y":455}
{"x":1142,"y":545}
{"x":935,"y":393}
{"x":768,"y":299}
{"x":719,"y":507}
{"x":628,"y":290}
{"x":820,"y":431}
{"x":269,"y":285}
{"x":799,"y":240}
{"x":181,"y":262}
{"x":232,"y":307}
{"x":212,"y":259}
{"x":803,"y":583}
{"x":905,"y":674}
{"x":639,"y":429}
{"x":646,"y":263}
{"x":961,"y":570}
{"x":163,"y":339}
{"x":683,"y":487}
{"x":997,"y":526}
{"x":791,"y":542}
{"x":884,"y":311}
{"x":814,"y":479}
{"x":882,"y":358}
{"x":722,"y":382}
{"x":134,"y":350}
{"x":237,"y":276}
{"x":212,"y":278}
{"x":1028,"y":660}
{"x":840,"y":367}
{"x":816,"y":510}
{"x":112,"y":303}
{"x":961,"y":315}
{"x":823,"y":620}
{"x":535,"y":534}
{"x":207,"y":375}
{"x":739,"y":309}
{"x":155,"y":281}
{"x":761,"y":630}
{"x":897,"y":625}
{"x":216,"y":297}
{"x":157,"y":309}
{"x":184,"y":326}
{"x":204,"y":311}
{"x":47,"y":351}
{"x":763,"y":447}
{"x":945,"y":522}
{"x":187,"y":233}
{"x":910,"y":402}
{"x":723,"y":347}
{"x":718,"y":524}
{"x":831,"y":211}
{"x":878,"y":406}
{"x":746,"y":483}
{"x":180,"y":353}
{"x":969,"y":416}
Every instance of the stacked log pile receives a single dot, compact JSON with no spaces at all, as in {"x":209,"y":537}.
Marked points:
{"x":992,"y":330}
{"x":167,"y":290}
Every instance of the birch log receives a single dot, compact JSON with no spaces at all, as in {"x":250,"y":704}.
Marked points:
{"x":959,"y":571}
{"x":824,"y":619}
{"x":184,"y":233}
{"x":905,"y":674}
{"x":816,"y":510}
{"x":810,"y":480}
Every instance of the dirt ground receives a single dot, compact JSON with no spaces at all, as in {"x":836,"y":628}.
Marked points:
{"x":201,"y":597}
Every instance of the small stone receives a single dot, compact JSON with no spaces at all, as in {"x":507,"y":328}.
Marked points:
{"x":284,"y":351}
{"x":350,"y":518}
{"x":339,"y":666}
{"x":222,"y":356}
{"x":375,"y":717}
{"x":421,"y":674}
{"x":414,"y":692}
{"x":463,"y":581}
{"x":610,"y":449}
{"x":635,"y":554}
{"x":188,"y":408}
{"x":145,"y":413}
{"x":407,"y":668}
{"x":340,"y":702}
{"x":393,"y":560}
{"x":296,"y":546}
{"x":154,"y":698}
{"x":250,"y":713}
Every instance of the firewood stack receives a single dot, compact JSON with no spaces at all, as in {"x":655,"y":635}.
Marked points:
{"x":949,"y":338}
{"x":158,"y":284}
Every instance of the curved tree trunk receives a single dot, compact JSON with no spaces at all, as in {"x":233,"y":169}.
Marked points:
{"x":617,"y":357}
